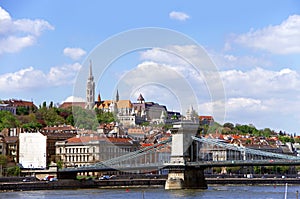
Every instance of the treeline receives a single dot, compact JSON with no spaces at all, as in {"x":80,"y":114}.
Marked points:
{"x":34,"y":119}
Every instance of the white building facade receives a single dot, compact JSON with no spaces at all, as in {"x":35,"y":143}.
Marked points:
{"x":32,"y":150}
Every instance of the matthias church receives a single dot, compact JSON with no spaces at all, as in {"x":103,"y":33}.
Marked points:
{"x":129,"y":113}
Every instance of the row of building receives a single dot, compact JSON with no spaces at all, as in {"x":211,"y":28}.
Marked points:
{"x":73,"y":147}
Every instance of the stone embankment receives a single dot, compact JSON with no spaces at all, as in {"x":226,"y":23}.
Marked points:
{"x":120,"y":183}
{"x":76,"y":184}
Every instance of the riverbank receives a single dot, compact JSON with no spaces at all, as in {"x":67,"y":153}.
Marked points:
{"x":77,"y":184}
{"x":121,"y":183}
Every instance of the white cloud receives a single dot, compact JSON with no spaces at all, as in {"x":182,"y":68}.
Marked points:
{"x":74,"y":53}
{"x":253,"y":82}
{"x":241,"y":103}
{"x":275,"y":113}
{"x":31,"y":78}
{"x":180,"y":58}
{"x":64,"y":74}
{"x":261,"y":82}
{"x":151,"y":78}
{"x":18,"y":34}
{"x":279,"y":39}
{"x":158,"y":55}
{"x":181,"y":16}
{"x":264,"y":97}
{"x":229,"y":61}
{"x":13,"y":44}
{"x":4,"y":15}
{"x":236,"y":105}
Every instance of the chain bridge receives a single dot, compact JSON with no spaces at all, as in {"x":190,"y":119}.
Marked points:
{"x":190,"y":155}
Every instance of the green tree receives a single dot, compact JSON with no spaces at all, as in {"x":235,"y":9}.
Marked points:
{"x":29,"y":122}
{"x":70,"y":120}
{"x":3,"y":163}
{"x":44,"y":104}
{"x":49,"y":116}
{"x":105,"y":117}
{"x":85,"y":119}
{"x":286,"y":139}
{"x":3,"y":160}
{"x":13,"y":171}
{"x":216,"y":127}
{"x":297,"y":140}
{"x":59,"y":164}
{"x":257,"y":169}
{"x":8,"y":120}
{"x":32,"y":126}
{"x":267,"y":132}
{"x":21,"y":110}
{"x":51,"y":105}
{"x":228,"y":125}
{"x":246,"y":129}
{"x":233,"y":169}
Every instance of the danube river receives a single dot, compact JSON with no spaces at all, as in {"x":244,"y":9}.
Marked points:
{"x":213,"y":192}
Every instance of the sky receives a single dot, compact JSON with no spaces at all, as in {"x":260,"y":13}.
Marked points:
{"x":46,"y":48}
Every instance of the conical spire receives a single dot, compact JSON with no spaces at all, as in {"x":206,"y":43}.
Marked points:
{"x":91,"y":77}
{"x":90,"y":90}
{"x":91,"y":72}
{"x":140,"y":99}
{"x":117,"y":96}
{"x":99,"y":97}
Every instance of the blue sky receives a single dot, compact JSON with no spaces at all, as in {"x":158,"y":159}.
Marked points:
{"x":254,"y":44}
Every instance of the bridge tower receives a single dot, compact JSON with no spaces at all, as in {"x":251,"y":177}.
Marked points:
{"x":184,"y":150}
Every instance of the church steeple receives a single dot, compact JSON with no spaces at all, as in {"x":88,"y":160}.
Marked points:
{"x":90,"y":89}
{"x":91,"y":77}
{"x":117,"y":96}
{"x":141,"y":99}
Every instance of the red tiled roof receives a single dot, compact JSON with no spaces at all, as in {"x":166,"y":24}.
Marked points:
{"x":146,"y":144}
{"x":18,"y":103}
{"x":236,"y":136}
{"x":136,"y":131}
{"x":60,"y":128}
{"x":205,"y":117}
{"x":85,"y":139}
{"x":70,"y":104}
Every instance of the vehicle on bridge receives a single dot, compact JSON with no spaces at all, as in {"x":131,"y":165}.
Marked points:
{"x":48,"y":178}
{"x":104,"y":177}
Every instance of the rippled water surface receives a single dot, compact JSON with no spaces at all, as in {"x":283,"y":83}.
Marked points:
{"x":213,"y":192}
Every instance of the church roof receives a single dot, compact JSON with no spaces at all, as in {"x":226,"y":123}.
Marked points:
{"x":120,"y":104}
{"x":124,"y":104}
{"x":105,"y":104}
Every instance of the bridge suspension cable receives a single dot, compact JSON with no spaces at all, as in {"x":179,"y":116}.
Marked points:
{"x":244,"y":149}
{"x":134,"y":154}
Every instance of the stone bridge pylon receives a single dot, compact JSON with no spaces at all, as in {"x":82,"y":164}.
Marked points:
{"x":184,"y":150}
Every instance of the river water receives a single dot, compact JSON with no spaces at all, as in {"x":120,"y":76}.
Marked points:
{"x":213,"y":192}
